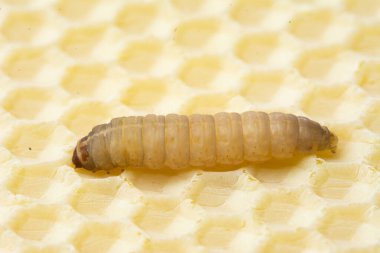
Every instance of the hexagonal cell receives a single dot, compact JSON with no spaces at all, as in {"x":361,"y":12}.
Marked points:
{"x":144,"y":93}
{"x":80,"y":42}
{"x":25,"y":63}
{"x":249,"y":12}
{"x":343,"y":181}
{"x":32,"y":181}
{"x":160,"y":181}
{"x":310,"y":25}
{"x":140,"y":56}
{"x":73,"y":9}
{"x":219,"y":232}
{"x":187,"y":6}
{"x":367,"y":40}
{"x":320,"y":64}
{"x":277,"y":209}
{"x":372,"y":119}
{"x":33,"y":141}
{"x":196,"y":33}
{"x":207,"y":104}
{"x":82,"y":118}
{"x":162,"y":218}
{"x":337,"y":103}
{"x":106,"y":237}
{"x":83,"y":79}
{"x":26,"y":103}
{"x":368,"y":77}
{"x":34,"y":223}
{"x":150,"y":182}
{"x":300,"y":240}
{"x":363,"y":7}
{"x":94,"y":197}
{"x":261,"y":87}
{"x":256,"y":48}
{"x":281,"y":207}
{"x":342,"y":223}
{"x":136,"y":18}
{"x":212,"y":189}
{"x":200,"y":72}
{"x":22,"y":26}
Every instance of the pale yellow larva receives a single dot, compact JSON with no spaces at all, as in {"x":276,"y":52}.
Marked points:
{"x":178,"y":141}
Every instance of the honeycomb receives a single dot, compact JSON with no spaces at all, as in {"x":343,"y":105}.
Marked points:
{"x":67,"y":65}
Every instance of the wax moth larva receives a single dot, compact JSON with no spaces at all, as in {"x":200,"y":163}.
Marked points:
{"x":178,"y":141}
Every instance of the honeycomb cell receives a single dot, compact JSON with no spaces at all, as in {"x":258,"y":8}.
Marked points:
{"x":83,"y":79}
{"x":318,"y":64}
{"x":187,"y":6}
{"x":136,"y":18}
{"x":212,"y":189}
{"x":144,"y":93}
{"x":162,"y":218}
{"x":367,"y":40}
{"x":106,"y":237}
{"x":249,"y":12}
{"x":337,"y":103}
{"x":35,"y":223}
{"x":368,"y":77}
{"x":32,"y":182}
{"x":26,"y":103}
{"x":363,"y":7}
{"x":300,"y":240}
{"x":342,"y":181}
{"x":160,"y":181}
{"x":24,"y":64}
{"x":80,"y":42}
{"x":261,"y":87}
{"x":281,"y":207}
{"x":206,"y":104}
{"x":219,"y":233}
{"x":196,"y":33}
{"x":22,"y":26}
{"x":32,"y":141}
{"x":150,"y":182}
{"x":372,"y":119}
{"x":141,"y":56}
{"x":73,"y":9}
{"x":256,"y":48}
{"x":94,"y":197}
{"x":83,"y":117}
{"x":343,"y":222}
{"x":310,"y":25}
{"x":200,"y":72}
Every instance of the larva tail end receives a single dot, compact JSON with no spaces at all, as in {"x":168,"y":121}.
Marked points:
{"x":76,"y":160}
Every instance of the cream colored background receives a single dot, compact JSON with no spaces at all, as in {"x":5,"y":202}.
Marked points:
{"x":68,"y":65}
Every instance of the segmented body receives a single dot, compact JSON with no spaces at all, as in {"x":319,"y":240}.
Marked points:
{"x":178,"y":141}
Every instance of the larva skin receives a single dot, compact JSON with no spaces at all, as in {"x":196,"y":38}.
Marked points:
{"x":178,"y":141}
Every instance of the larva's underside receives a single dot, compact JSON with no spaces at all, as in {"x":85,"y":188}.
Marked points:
{"x":178,"y":141}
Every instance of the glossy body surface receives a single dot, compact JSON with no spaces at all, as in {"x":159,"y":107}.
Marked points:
{"x":178,"y":141}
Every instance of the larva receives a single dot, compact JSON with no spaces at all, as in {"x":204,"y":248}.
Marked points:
{"x":178,"y":141}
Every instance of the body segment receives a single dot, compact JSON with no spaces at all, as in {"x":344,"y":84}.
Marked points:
{"x":178,"y":141}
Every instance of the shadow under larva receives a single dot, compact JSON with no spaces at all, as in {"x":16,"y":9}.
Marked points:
{"x":175,"y":142}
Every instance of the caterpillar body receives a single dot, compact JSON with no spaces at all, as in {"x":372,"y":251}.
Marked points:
{"x":177,"y":141}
